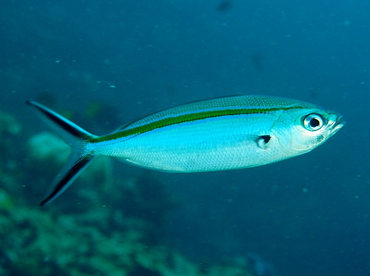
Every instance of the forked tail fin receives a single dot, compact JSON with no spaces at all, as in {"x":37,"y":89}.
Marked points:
{"x":79,"y":159}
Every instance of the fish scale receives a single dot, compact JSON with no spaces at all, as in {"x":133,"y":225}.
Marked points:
{"x":218,"y":134}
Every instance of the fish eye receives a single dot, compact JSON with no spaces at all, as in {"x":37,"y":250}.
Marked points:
{"x":313,"y":122}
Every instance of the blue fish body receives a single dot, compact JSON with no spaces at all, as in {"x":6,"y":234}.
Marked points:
{"x":219,"y":134}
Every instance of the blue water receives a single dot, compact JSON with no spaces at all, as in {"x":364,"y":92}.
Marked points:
{"x":305,"y":216}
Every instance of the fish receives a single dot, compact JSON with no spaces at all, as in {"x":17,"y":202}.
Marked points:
{"x":226,"y":133}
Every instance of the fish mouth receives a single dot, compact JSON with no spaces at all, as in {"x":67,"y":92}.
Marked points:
{"x":338,"y":124}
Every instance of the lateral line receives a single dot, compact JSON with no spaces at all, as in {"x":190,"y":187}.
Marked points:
{"x":168,"y":121}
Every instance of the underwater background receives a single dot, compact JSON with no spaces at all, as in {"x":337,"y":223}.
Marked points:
{"x":105,"y":63}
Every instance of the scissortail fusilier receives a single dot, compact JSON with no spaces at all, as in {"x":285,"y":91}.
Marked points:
{"x":218,"y":134}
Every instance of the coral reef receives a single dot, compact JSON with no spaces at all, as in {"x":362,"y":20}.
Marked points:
{"x":9,"y":124}
{"x":47,"y":147}
{"x":35,"y":242}
{"x":9,"y":128}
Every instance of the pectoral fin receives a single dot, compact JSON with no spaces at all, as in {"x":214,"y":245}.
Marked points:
{"x":263,"y":141}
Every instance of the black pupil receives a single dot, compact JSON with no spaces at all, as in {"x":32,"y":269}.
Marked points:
{"x":314,"y":122}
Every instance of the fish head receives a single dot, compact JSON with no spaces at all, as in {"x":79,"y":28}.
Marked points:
{"x":303,"y":129}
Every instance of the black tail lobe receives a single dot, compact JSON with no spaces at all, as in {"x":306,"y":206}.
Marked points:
{"x":79,"y":159}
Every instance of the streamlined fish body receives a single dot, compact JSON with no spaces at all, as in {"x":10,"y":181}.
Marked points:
{"x":219,"y":134}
